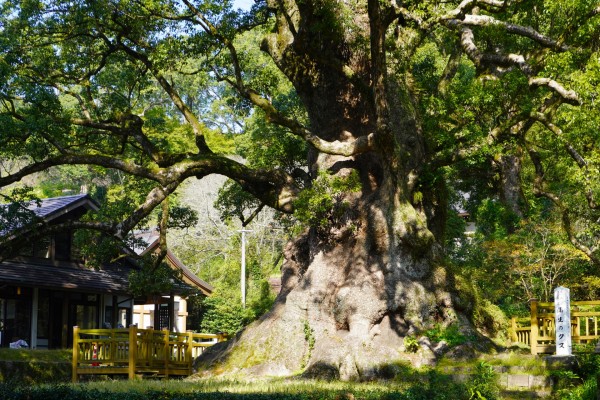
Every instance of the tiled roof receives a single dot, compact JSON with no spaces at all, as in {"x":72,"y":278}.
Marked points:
{"x":110,"y":279}
{"x":47,"y":209}
{"x":59,"y":205}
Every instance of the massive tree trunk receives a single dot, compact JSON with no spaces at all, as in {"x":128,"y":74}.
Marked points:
{"x":354,"y":289}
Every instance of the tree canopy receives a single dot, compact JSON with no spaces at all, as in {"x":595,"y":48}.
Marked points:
{"x":374,"y":121}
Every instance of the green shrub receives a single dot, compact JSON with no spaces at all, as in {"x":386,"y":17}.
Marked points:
{"x":324,"y":203}
{"x":588,"y":362}
{"x":411,"y":344}
{"x":587,"y":391}
{"x":490,"y":318}
{"x":450,"y":334}
{"x":484,"y":385}
{"x":224,"y":315}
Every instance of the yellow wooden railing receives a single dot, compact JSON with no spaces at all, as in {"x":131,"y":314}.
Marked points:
{"x":136,"y":351}
{"x":538,"y":331}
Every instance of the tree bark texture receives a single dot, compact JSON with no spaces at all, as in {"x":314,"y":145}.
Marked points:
{"x":351,"y":293}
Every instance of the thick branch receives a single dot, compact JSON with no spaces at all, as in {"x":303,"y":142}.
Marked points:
{"x":378,"y":30}
{"x":275,"y":188}
{"x":449,"y":71}
{"x":524,"y":31}
{"x":131,"y":125}
{"x":83,"y":159}
{"x":360,"y":145}
{"x":486,"y":60}
{"x":162,"y":229}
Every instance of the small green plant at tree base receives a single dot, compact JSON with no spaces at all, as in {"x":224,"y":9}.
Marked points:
{"x":450,"y":334}
{"x":587,"y":391}
{"x":309,"y":336}
{"x":484,"y":385}
{"x":565,"y":380}
{"x":411,"y":344}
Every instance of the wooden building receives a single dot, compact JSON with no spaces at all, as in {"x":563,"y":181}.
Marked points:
{"x":45,"y":289}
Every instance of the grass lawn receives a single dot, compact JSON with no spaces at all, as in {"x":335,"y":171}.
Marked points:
{"x":415,"y":385}
{"x":264,"y":388}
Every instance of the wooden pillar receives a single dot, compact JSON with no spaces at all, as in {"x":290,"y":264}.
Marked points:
{"x":132,"y":350}
{"x":157,"y":313}
{"x":172,"y":314}
{"x":34,"y":317}
{"x":513,"y":333}
{"x":167,"y":352}
{"x":65,"y":323}
{"x":534,"y":327}
{"x":75,"y":353}
{"x":189,"y":352}
{"x":113,"y":345}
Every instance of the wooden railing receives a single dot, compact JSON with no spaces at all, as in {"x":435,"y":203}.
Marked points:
{"x":136,"y":351}
{"x":538,"y":331}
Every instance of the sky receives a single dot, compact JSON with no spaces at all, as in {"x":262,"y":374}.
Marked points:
{"x":243,"y":4}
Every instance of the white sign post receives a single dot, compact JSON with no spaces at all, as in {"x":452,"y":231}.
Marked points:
{"x":562,"y":315}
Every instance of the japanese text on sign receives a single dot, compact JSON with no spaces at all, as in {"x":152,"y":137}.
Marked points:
{"x":562,"y":315}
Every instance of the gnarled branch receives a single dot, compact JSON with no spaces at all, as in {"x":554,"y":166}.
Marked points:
{"x":486,"y":60}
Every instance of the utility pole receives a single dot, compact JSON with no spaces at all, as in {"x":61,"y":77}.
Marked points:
{"x":243,"y":272}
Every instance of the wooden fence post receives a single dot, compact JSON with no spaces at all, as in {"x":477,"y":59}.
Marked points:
{"x":113,"y":346}
{"x":513,"y":333}
{"x":189,"y":352}
{"x":533,"y":336}
{"x":167,"y":353}
{"x":75,"y":378}
{"x":132,"y":350}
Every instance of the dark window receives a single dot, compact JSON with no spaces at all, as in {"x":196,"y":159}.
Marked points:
{"x":163,"y":319}
{"x":62,"y":246}
{"x":42,"y":248}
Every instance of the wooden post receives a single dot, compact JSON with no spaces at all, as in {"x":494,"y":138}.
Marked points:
{"x":132,"y":350}
{"x":113,"y":346}
{"x":167,"y":353}
{"x":172,"y":314}
{"x":513,"y":334}
{"x":189,"y":356}
{"x":75,"y":378}
{"x":533,"y":336}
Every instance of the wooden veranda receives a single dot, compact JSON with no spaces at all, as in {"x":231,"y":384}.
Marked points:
{"x":538,"y":331}
{"x":135,"y":352}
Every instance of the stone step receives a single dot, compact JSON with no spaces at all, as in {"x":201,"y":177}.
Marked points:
{"x":513,"y":381}
{"x":525,"y":394}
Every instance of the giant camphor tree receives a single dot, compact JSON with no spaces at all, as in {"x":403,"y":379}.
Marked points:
{"x":400,"y":101}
